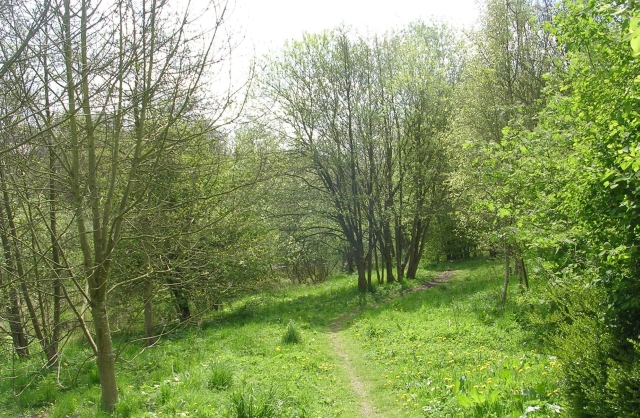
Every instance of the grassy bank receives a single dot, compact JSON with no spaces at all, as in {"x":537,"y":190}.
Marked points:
{"x":450,"y":350}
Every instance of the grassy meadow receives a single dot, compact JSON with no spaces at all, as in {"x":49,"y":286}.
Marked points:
{"x":449,"y":351}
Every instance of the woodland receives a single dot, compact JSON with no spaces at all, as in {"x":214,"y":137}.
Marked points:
{"x":153,"y":208}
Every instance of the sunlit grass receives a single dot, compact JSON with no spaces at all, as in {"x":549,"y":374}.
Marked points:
{"x":453,"y":351}
{"x":450,"y":350}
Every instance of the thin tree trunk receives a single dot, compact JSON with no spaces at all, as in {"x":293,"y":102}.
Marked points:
{"x":96,"y":261}
{"x":149,"y":326}
{"x":17,"y":263}
{"x":417,"y":249}
{"x":506,"y":273}
{"x":386,"y":251}
{"x":53,"y":231}
{"x":399,"y":250}
{"x":105,"y":357}
{"x":14,"y":317}
{"x":522,"y":273}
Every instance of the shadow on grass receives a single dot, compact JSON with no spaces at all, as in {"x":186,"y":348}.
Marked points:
{"x":475,"y":287}
{"x":320,"y":305}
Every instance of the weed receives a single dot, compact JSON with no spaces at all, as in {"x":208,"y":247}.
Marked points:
{"x":292,"y":335}
{"x":247,"y":405}
{"x":220,"y":376}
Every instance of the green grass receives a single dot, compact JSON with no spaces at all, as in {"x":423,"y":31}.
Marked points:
{"x":454,"y":351}
{"x":447,"y":351}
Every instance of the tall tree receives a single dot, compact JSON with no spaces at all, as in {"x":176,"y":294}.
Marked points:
{"x":109,"y":87}
{"x":501,"y":96}
{"x":368,"y":118}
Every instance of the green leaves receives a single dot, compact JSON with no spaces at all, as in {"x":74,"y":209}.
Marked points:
{"x":634,"y":35}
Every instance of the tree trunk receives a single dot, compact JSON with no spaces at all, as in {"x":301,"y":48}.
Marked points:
{"x":400,"y":264}
{"x":386,"y":252}
{"x":14,"y":317}
{"x":53,"y":231}
{"x":361,"y":266}
{"x":105,"y":357}
{"x":149,"y":326}
{"x":17,"y":264}
{"x":507,"y":271}
{"x":522,"y":272}
{"x":182,"y":300}
{"x":348,"y":261}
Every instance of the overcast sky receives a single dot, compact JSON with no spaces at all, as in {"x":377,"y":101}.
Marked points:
{"x":267,"y":24}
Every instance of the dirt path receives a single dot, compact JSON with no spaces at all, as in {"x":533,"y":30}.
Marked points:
{"x":366,"y":408}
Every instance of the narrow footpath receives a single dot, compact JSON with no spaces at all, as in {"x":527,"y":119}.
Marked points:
{"x":367,"y":409}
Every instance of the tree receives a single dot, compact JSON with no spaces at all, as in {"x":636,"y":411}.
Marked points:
{"x":591,"y":119}
{"x":367,"y":118}
{"x":106,"y":90}
{"x":19,"y":24}
{"x":501,"y":97}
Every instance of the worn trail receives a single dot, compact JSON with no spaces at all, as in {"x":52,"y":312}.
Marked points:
{"x":366,"y":407}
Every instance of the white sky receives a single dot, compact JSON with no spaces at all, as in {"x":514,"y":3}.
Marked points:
{"x":267,"y":24}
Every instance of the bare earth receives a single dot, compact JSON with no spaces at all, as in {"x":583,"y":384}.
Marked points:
{"x":366,"y":408}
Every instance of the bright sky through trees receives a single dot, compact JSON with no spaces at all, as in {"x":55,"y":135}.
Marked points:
{"x":267,"y":24}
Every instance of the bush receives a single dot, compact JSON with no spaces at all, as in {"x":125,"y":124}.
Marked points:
{"x":601,"y":373}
